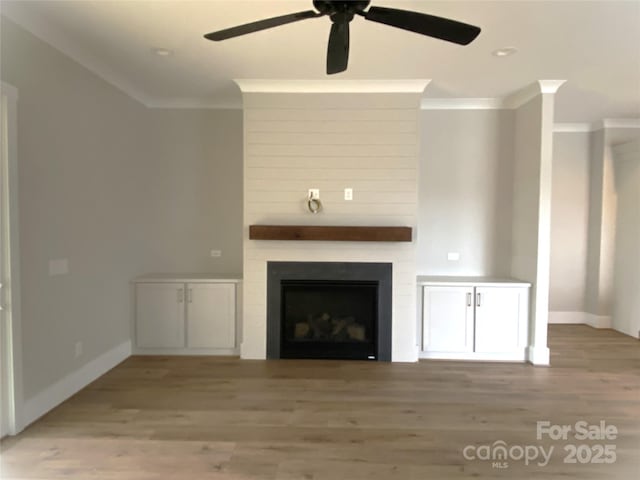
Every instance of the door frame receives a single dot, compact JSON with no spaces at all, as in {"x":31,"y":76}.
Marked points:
{"x":12,"y":343}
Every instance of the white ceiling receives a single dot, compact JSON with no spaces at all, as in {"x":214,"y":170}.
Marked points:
{"x":595,"y":46}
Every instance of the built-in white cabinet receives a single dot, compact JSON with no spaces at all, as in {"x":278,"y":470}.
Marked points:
{"x":211,"y":315}
{"x":447,"y":319}
{"x":474,"y":318}
{"x":185,"y":315}
{"x":160,"y":315}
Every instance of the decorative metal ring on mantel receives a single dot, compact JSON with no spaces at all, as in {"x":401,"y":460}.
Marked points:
{"x":314,"y":205}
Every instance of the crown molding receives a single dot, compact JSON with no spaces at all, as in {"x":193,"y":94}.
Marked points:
{"x":550,"y":86}
{"x":619,"y":123}
{"x":510,"y":102}
{"x":37,"y":26}
{"x":462,"y":104}
{"x":572,"y":127}
{"x":250,"y":85}
{"x":519,"y":98}
{"x":194,"y":104}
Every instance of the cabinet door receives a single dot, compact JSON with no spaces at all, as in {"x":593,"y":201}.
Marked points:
{"x":499,"y":312}
{"x":211,"y":315}
{"x":160,"y":315}
{"x":447,"y":319}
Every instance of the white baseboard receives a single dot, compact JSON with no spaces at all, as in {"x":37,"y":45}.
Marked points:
{"x":567,"y":317}
{"x":598,"y":321}
{"x":584,"y":318}
{"x":518,"y":356}
{"x":539,"y":356}
{"x":232,"y":352}
{"x":57,"y":393}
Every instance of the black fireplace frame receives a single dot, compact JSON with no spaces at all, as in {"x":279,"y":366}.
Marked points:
{"x":382,"y":273}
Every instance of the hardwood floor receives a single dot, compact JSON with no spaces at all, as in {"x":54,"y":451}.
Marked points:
{"x":223,"y":418}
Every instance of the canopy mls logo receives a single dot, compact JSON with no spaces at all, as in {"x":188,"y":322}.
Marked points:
{"x":500,"y":453}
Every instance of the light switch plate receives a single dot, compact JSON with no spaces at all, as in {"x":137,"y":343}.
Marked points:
{"x":453,"y":256}
{"x":215,"y":253}
{"x":348,"y":193}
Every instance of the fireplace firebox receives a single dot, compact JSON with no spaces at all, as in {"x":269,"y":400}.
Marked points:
{"x":329,"y":310}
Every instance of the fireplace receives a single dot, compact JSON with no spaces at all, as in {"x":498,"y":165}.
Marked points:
{"x":329,"y":310}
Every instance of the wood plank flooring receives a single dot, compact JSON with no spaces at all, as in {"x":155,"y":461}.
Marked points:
{"x":155,"y":418}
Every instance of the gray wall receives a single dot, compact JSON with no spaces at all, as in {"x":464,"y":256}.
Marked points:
{"x":80,"y":164}
{"x":116,"y":189}
{"x":626,"y":301}
{"x":191,"y":197}
{"x":602,"y":219}
{"x":569,"y":222}
{"x":465,"y":191}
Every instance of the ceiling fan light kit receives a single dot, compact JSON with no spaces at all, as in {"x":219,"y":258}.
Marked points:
{"x":342,"y":12}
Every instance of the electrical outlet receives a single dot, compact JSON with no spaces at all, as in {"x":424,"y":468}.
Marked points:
{"x":348,"y":193}
{"x":215,"y":253}
{"x":453,"y":256}
{"x":78,"y":349}
{"x":314,"y":194}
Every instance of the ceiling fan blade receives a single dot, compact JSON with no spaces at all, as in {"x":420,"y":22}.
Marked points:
{"x":261,"y":25}
{"x":338,"y":48}
{"x":438,"y":27}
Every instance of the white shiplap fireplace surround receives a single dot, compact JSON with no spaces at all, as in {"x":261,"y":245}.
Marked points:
{"x":331,"y":135}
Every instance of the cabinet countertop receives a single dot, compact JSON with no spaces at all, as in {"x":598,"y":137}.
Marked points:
{"x":186,"y":278}
{"x":471,"y":281}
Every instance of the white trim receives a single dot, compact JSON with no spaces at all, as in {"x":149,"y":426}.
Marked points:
{"x":193,"y":104}
{"x":408,"y":355}
{"x":572,"y":128}
{"x":510,"y":102}
{"x":531,"y":91}
{"x":621,"y":123}
{"x":14,"y":322}
{"x":38,"y":26}
{"x":518,"y":356}
{"x":462,"y":104}
{"x":616,"y":123}
{"x":57,"y":393}
{"x":567,"y":318}
{"x":598,"y":321}
{"x":226,"y":352}
{"x":550,"y":86}
{"x":251,"y":85}
{"x":580,"y":318}
{"x":538,"y":356}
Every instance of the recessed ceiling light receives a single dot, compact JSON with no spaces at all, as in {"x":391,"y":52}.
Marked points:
{"x":163,"y":52}
{"x":505,"y":52}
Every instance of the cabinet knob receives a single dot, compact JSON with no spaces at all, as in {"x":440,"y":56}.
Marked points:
{"x":478,"y":301}
{"x":469,"y":299}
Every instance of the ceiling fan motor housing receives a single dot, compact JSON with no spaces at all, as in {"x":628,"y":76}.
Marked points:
{"x":340,"y":11}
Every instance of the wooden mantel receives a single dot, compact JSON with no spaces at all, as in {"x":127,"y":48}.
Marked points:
{"x":330,"y":233}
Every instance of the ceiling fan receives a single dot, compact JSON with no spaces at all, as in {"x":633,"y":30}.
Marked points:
{"x":341,"y":12}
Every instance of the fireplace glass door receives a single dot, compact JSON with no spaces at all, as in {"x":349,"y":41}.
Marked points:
{"x":329,"y":319}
